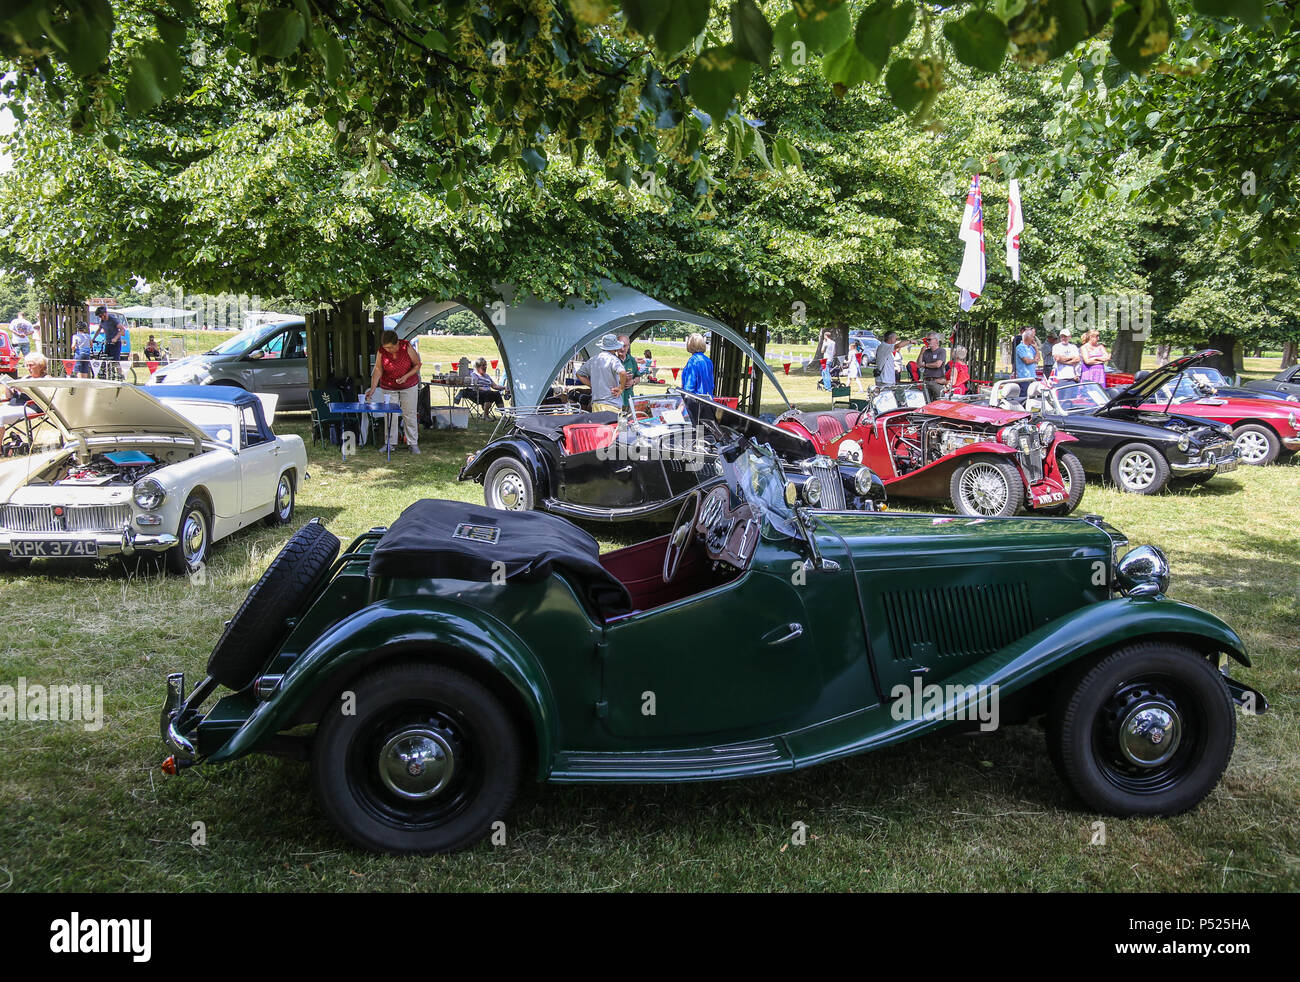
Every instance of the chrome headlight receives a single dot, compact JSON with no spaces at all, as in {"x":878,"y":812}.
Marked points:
{"x":1184,"y":443}
{"x":1290,"y":418}
{"x":1008,"y":435}
{"x":862,"y":481}
{"x":1143,"y":572}
{"x":812,"y":491}
{"x":1046,"y":432}
{"x":148,"y":493}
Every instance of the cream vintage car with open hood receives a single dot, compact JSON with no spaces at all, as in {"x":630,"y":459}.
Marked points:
{"x":117,"y":469}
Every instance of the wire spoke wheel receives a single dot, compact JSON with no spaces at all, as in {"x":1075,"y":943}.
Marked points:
{"x":983,"y":488}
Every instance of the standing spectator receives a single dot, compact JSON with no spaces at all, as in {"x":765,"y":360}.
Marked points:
{"x":81,"y":346}
{"x":21,"y":329}
{"x":1049,"y":352}
{"x":934,"y":366}
{"x":1093,"y":355}
{"x":1065,"y":358}
{"x":397,"y":377}
{"x":607,"y":376}
{"x":1027,"y":354}
{"x":630,"y":366}
{"x":113,"y":333}
{"x":958,"y":374}
{"x":886,"y":363}
{"x":697,"y":376}
{"x":855,"y":364}
{"x":828,"y":359}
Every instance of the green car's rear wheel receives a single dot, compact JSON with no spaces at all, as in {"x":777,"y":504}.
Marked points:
{"x":1145,"y":730}
{"x":427,"y":760}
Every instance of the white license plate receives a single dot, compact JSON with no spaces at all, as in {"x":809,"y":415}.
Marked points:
{"x":1049,"y":498}
{"x":53,"y":548}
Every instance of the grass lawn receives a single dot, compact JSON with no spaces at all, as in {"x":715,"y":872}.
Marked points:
{"x":91,"y":811}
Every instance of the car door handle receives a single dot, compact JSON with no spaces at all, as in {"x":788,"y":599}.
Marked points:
{"x":792,"y":631}
{"x":624,"y":470}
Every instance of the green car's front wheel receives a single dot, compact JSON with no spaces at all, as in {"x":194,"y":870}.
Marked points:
{"x":1145,"y":730}
{"x":416,"y":758}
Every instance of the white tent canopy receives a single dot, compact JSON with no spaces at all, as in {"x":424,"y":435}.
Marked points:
{"x":152,"y":313}
{"x":537,"y":338}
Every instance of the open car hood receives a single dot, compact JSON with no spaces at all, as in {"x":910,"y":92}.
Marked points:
{"x":1144,"y":388}
{"x":787,"y":445}
{"x":95,"y":407}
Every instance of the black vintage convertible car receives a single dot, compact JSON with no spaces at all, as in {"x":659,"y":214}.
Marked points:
{"x":1139,"y":450}
{"x":606,"y":467}
{"x":1285,"y":383}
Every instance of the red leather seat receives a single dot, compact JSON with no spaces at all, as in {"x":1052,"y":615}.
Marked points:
{"x":851,"y":420}
{"x":585,"y":437}
{"x":829,"y":429}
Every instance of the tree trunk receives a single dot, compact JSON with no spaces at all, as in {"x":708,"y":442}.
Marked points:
{"x":1127,"y":353}
{"x":1288,"y":354}
{"x":1228,"y":361}
{"x":1162,"y":354}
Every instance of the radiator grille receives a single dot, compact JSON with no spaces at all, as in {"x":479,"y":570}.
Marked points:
{"x":827,"y":473}
{"x":75,"y":518}
{"x":960,"y":621}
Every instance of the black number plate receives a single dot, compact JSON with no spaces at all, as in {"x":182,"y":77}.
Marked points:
{"x":53,"y":548}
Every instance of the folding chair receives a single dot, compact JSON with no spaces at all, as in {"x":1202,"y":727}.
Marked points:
{"x":321,"y":415}
{"x":841,"y":392}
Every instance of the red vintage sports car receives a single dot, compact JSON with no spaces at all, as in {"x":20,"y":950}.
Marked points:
{"x":1261,"y":428}
{"x":987,"y":461}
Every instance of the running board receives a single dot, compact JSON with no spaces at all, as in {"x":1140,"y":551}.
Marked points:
{"x":699,"y":764}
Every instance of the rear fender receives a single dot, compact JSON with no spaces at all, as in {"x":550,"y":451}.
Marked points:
{"x":400,"y":629}
{"x":513,"y":446}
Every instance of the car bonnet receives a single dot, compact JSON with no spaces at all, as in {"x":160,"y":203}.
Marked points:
{"x":94,"y":407}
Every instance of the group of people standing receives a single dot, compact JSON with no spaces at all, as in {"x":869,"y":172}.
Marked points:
{"x":938,"y":373}
{"x":613,"y":372}
{"x":1061,"y":359}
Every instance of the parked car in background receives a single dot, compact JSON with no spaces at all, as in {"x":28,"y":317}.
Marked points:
{"x":1139,"y":450}
{"x":265,"y":358}
{"x":167,"y":470}
{"x":986,"y":461}
{"x":1286,"y":382}
{"x":1262,"y":428}
{"x":481,"y":648}
{"x":10,"y":360}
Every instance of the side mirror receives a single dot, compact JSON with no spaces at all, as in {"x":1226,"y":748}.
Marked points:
{"x":255,"y":354}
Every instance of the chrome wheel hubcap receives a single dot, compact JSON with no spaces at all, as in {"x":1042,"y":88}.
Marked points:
{"x":984,"y":489}
{"x":509,"y":491}
{"x":1150,"y":733}
{"x":193,"y":535}
{"x":1252,"y":447}
{"x":1138,"y":470}
{"x":283,"y":498}
{"x":416,"y":764}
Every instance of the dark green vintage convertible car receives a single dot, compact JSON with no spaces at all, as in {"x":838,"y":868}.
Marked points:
{"x":435,"y":663}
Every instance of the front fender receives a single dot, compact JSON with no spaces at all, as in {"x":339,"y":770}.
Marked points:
{"x":393,"y":628}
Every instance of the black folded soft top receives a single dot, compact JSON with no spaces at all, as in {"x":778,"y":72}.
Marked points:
{"x":456,"y":540}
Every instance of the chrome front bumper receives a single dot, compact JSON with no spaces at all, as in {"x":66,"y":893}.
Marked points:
{"x":124,"y":542}
{"x":168,"y":723}
{"x":1291,"y":442}
{"x":1220,"y":461}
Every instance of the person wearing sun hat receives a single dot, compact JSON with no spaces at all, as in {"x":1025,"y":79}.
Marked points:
{"x":606,"y":376}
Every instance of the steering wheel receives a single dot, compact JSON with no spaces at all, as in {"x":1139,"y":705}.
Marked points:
{"x":680,"y":537}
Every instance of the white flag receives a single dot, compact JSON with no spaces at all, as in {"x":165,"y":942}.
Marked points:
{"x":971,"y":278}
{"x":1015,"y":225}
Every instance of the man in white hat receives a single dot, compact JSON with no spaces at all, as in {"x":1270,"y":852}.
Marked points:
{"x":1065,"y":355}
{"x":606,"y":376}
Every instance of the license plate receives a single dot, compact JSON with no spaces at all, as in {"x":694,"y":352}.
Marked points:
{"x":1226,"y":465}
{"x":53,"y":548}
{"x":1049,"y":498}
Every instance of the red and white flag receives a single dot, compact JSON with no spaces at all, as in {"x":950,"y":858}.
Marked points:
{"x":971,"y":278}
{"x":1015,"y":225}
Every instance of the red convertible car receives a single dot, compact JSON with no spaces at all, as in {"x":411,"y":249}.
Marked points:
{"x":988,"y":462}
{"x":1261,"y":428}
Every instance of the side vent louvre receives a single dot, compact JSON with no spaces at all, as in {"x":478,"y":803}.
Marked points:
{"x":957,"y":622}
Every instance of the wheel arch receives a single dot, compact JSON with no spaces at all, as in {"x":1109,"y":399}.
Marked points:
{"x":519,"y":448}
{"x":1252,"y":421}
{"x":1121,"y":444}
{"x":454,"y":635}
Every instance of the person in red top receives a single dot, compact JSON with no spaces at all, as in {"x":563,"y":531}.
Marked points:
{"x":397,"y":377}
{"x":958,"y":374}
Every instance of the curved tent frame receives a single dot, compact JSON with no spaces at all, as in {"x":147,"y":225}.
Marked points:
{"x":537,"y":338}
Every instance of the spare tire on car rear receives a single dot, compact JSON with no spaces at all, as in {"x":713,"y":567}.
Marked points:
{"x":261,"y":623}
